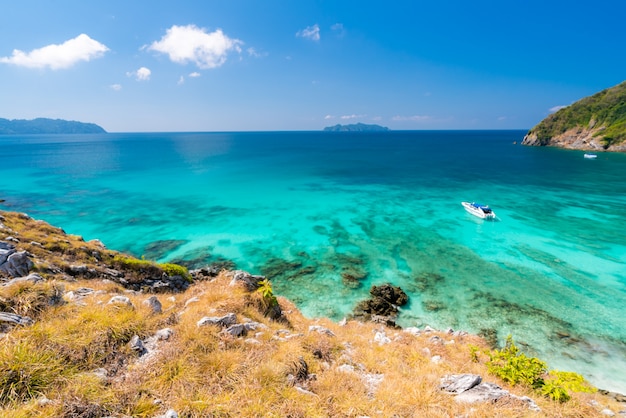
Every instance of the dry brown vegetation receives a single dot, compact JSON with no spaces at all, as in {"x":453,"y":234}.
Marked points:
{"x":76,"y":359}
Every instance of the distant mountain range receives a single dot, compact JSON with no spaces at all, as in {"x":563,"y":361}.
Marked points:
{"x":357,"y":127}
{"x":597,"y":122}
{"x":47,"y":126}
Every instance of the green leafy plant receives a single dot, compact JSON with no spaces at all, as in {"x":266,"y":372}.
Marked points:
{"x":474,"y":353}
{"x":150,"y":267}
{"x":515,"y":367}
{"x":559,"y":384}
{"x":175,"y":270}
{"x":267,"y":294}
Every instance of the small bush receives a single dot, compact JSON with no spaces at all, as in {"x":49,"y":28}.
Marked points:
{"x":515,"y":367}
{"x":559,"y":384}
{"x":175,"y":270}
{"x":267,"y":294}
{"x":147,"y":267}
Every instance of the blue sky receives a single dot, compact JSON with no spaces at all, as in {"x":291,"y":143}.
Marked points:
{"x":240,"y":65}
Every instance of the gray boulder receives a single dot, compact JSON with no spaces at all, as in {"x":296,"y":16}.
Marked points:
{"x":120,"y":300}
{"x":15,"y":319}
{"x":459,"y":383}
{"x":469,"y":388}
{"x":16,"y":264}
{"x":137,"y":345}
{"x":154,"y":304}
{"x":321,"y":330}
{"x":222,"y":321}
{"x":240,"y":330}
{"x":31,"y":278}
{"x":6,"y":250}
{"x":250,"y":281}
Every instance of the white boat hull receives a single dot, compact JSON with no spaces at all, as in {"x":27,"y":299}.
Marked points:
{"x":477,"y":211}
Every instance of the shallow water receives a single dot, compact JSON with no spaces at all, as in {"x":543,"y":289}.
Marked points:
{"x":326,"y":215}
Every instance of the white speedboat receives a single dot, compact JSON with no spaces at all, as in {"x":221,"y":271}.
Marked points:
{"x":476,"y":209}
{"x":590,"y":156}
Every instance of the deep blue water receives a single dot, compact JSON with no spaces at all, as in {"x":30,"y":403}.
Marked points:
{"x":313,"y":209}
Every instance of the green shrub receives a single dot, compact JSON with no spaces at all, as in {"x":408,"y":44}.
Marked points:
{"x":267,"y":294}
{"x":559,"y":384}
{"x":175,"y":270}
{"x":150,"y":267}
{"x":515,"y":367}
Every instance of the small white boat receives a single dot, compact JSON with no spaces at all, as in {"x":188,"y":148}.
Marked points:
{"x":590,"y":156}
{"x":477,"y":209}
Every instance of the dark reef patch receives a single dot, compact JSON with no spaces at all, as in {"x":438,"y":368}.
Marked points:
{"x":159,"y":249}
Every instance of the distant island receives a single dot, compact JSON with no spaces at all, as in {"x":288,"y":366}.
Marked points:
{"x":47,"y":126}
{"x":596,"y":122}
{"x":357,"y":127}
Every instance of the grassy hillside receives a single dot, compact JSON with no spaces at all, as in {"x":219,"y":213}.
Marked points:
{"x":97,"y":344}
{"x":604,"y":113}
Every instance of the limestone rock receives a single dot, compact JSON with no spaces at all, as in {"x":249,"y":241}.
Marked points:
{"x":16,"y":264}
{"x":32,"y":278}
{"x":15,"y":319}
{"x":154,"y":304}
{"x":137,"y":345}
{"x":120,"y":300}
{"x":321,"y":330}
{"x":381,"y":338}
{"x":164,"y":334}
{"x":459,"y":383}
{"x":469,"y":388}
{"x":222,"y":321}
{"x":250,"y":281}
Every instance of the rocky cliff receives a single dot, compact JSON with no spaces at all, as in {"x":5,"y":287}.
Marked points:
{"x":596,"y":123}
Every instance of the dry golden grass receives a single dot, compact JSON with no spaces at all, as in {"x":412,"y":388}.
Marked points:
{"x":49,"y":368}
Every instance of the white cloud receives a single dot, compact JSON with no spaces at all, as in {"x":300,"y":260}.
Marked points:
{"x":502,"y":118}
{"x":338,"y":29}
{"x":65,"y":55}
{"x":142,"y":74}
{"x":254,"y":53}
{"x":414,"y":118}
{"x":181,"y":80}
{"x":346,"y":117}
{"x":556,"y":108}
{"x":116,"y":87}
{"x":195,"y":74}
{"x":311,"y":32}
{"x":190,"y":43}
{"x":329,"y":117}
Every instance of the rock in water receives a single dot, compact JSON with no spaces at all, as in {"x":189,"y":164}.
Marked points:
{"x":382,"y":306}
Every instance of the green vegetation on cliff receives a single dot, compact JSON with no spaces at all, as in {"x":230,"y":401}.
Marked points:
{"x":356,"y":127}
{"x":604,"y":112}
{"x":47,"y":126}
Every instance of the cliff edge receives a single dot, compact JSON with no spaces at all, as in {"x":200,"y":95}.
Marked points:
{"x":596,"y":123}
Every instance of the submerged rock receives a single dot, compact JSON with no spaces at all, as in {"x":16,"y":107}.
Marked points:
{"x":382,"y":306}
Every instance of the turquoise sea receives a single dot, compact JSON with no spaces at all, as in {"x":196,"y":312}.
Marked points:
{"x":326,"y":215}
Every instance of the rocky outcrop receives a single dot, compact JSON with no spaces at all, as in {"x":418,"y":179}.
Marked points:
{"x":586,"y":139}
{"x":469,"y":388}
{"x":12,"y":262}
{"x":382,"y":306}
